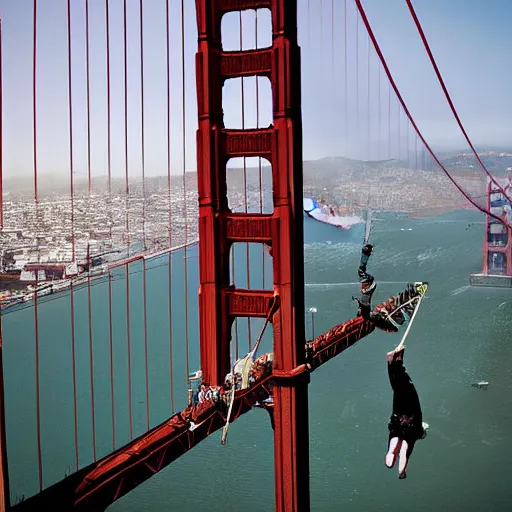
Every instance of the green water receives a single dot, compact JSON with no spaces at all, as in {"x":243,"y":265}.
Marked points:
{"x":460,"y":336}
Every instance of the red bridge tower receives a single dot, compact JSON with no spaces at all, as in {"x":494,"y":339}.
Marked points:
{"x":219,"y":301}
{"x":497,"y":249}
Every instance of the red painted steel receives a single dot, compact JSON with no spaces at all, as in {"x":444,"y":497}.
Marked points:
{"x":281,"y":144}
{"x":488,"y":248}
{"x":98,"y":485}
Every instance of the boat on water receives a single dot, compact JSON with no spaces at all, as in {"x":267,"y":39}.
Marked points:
{"x":328,"y":214}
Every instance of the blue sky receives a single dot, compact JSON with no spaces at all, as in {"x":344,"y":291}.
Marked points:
{"x":469,"y":39}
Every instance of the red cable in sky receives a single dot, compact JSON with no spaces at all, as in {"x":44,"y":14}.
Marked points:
{"x":406,"y":110}
{"x":447,"y":95}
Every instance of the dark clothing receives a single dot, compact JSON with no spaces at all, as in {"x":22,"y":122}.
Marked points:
{"x":393,"y":313}
{"x":406,"y":422}
{"x":368,"y":287}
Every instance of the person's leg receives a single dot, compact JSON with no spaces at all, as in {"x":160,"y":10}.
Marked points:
{"x":404,"y":459}
{"x":393,"y":449}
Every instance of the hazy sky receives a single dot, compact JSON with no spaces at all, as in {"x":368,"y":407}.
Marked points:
{"x":469,"y":38}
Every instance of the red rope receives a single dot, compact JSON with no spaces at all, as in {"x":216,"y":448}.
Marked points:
{"x":168,"y":39}
{"x":184,"y":144}
{"x":448,"y":97}
{"x":406,"y":110}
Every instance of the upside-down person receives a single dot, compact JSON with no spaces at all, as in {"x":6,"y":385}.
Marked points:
{"x":406,"y":423}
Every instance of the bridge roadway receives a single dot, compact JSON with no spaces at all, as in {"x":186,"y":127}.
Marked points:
{"x":98,"y":485}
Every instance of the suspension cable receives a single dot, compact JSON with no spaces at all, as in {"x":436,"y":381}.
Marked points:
{"x":246,"y":210}
{"x":184,"y":155}
{"x":72,"y":298}
{"x":448,"y":97}
{"x":89,"y":305}
{"x":142,"y":145}
{"x":109,"y":179}
{"x":260,"y":169}
{"x":127,"y":191}
{"x":169,"y":262}
{"x":406,"y":110}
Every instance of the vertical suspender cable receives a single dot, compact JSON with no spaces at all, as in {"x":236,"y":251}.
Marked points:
{"x":345,"y":91}
{"x":1,"y":137}
{"x":415,"y":153}
{"x":357,"y":77}
{"x":88,"y":95}
{"x":72,"y":170}
{"x":389,"y":121}
{"x":333,"y":70}
{"x":409,"y":116}
{"x":260,"y":170}
{"x":88,"y":113}
{"x":184,"y":143}
{"x":109,"y":178}
{"x":127,"y":191}
{"x":233,"y":250}
{"x":368,"y":104}
{"x":145,"y":312}
{"x":91,"y":366}
{"x":127,"y":185}
{"x":321,"y":87}
{"x":447,"y":94}
{"x":169,"y":263}
{"x":142,"y":145}
{"x":71,"y":291}
{"x":36,"y":313}
{"x":247,"y":251}
{"x":146,"y":365}
{"x":34,"y":96}
{"x":398,"y":130}
{"x":380,"y":114}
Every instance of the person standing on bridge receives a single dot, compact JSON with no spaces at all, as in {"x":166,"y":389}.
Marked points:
{"x":406,"y":422}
